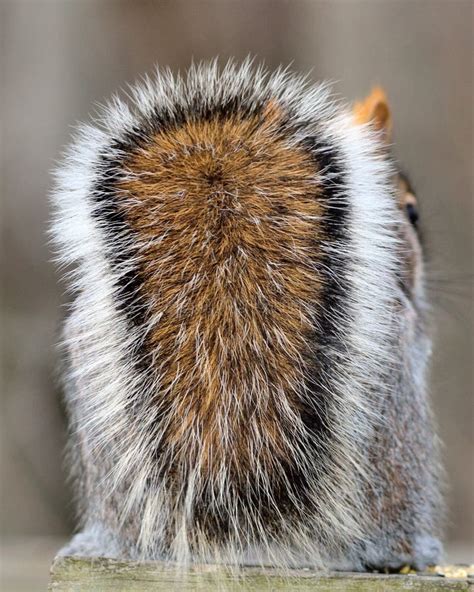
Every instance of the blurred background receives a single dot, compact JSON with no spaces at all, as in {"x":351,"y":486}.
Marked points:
{"x":60,"y":58}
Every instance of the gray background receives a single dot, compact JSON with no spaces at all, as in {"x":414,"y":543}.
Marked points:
{"x":60,"y":58}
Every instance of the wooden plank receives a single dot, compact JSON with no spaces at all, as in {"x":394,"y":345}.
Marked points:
{"x":72,"y":574}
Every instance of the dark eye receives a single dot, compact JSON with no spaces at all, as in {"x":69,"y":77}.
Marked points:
{"x":412,"y":213}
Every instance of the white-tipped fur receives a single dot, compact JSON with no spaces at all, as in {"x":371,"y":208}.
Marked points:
{"x":99,"y":339}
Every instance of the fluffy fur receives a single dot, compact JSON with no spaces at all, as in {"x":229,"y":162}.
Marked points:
{"x":246,"y":375}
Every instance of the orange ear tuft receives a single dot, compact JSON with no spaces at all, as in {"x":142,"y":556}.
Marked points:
{"x":375,"y":109}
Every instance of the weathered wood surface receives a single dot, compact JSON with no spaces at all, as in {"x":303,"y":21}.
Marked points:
{"x":71,"y":574}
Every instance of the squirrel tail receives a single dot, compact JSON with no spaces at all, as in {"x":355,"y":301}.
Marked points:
{"x":232,"y":235}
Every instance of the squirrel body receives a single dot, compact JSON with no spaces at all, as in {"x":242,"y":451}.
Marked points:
{"x":247,"y":347}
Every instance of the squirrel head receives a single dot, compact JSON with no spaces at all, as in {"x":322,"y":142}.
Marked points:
{"x":375,"y":112}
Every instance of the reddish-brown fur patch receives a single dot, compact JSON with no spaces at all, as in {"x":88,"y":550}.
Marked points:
{"x":374,"y":109}
{"x":227,"y":213}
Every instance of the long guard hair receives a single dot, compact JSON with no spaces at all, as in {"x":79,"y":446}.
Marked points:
{"x":244,"y":358}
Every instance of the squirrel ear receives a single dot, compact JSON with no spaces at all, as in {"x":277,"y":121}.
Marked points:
{"x":375,"y":110}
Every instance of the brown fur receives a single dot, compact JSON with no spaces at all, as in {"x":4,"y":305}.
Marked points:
{"x":227,"y":215}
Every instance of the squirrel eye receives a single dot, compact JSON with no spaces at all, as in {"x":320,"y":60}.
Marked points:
{"x":412,"y":213}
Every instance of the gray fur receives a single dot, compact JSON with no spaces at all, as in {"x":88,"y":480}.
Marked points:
{"x":379,"y":501}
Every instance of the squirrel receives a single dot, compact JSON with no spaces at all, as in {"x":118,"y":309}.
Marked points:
{"x":247,"y":346}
